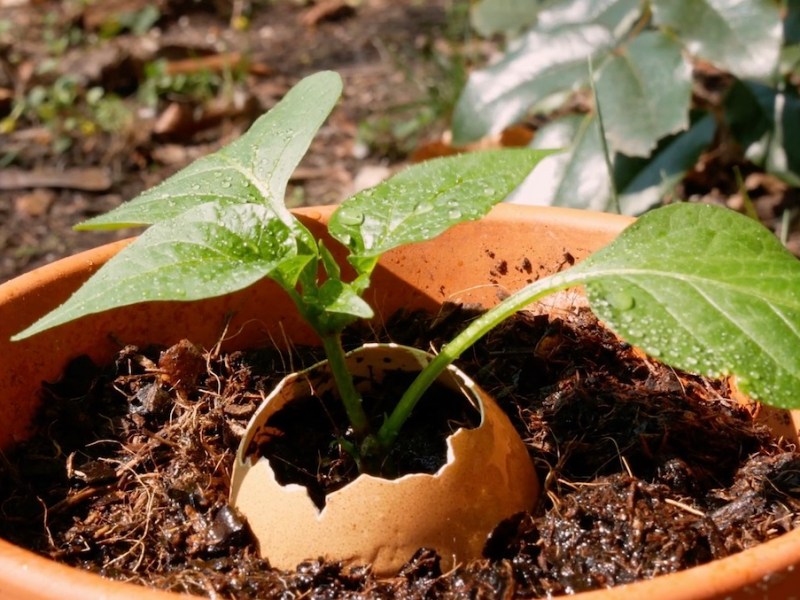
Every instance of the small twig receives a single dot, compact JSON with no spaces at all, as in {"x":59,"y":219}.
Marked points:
{"x":50,"y":539}
{"x":685,"y":507}
{"x":626,"y":465}
{"x":786,"y":221}
{"x":79,"y":497}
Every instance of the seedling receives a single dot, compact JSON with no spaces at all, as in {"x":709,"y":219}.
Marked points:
{"x":700,"y":287}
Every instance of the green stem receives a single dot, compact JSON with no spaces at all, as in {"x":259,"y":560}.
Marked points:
{"x":604,"y":142}
{"x":471,"y":334}
{"x":351,"y":399}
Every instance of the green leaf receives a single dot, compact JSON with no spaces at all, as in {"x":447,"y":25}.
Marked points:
{"x":489,"y":17}
{"x":338,"y":297}
{"x":422,"y":201}
{"x":539,"y":65}
{"x":765,"y":121}
{"x":577,"y":177}
{"x":329,"y":263}
{"x":643,"y":183}
{"x":791,"y":22}
{"x":210,"y":250}
{"x":749,"y":108}
{"x":616,"y":15}
{"x":644,"y":91}
{"x":253,"y":169}
{"x":706,"y":290}
{"x":741,"y":36}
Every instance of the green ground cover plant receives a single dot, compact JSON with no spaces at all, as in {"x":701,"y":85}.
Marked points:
{"x":702,"y":288}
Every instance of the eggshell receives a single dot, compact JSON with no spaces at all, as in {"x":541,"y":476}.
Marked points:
{"x":487,"y":478}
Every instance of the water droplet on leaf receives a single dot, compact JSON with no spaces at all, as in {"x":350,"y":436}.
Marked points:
{"x":351,"y":217}
{"x":621,"y":300}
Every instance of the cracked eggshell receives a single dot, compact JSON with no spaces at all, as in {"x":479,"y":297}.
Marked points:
{"x":488,"y":477}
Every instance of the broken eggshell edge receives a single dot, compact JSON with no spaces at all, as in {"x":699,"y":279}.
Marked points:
{"x":488,"y":477}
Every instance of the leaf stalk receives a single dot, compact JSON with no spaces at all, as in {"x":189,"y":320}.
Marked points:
{"x":391,"y":426}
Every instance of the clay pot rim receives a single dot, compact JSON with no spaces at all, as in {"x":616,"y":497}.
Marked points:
{"x":747,"y":568}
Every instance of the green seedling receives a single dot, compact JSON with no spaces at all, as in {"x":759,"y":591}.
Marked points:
{"x":702,"y":288}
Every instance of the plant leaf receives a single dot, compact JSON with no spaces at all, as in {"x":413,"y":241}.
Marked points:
{"x":422,"y":201}
{"x":253,"y":169}
{"x":489,"y":17}
{"x":338,"y":297}
{"x":642,"y":183}
{"x":749,"y":108}
{"x":741,"y":37}
{"x":791,"y":22}
{"x":616,"y":15}
{"x":210,"y":250}
{"x":644,"y":92}
{"x":765,"y":122}
{"x":540,"y":65}
{"x":706,"y":290}
{"x":577,"y":177}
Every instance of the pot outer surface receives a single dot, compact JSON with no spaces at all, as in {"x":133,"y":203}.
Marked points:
{"x":469,"y":263}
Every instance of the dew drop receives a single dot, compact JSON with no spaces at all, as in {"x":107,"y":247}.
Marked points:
{"x":454,"y":214}
{"x":351,"y":217}
{"x":621,"y":300}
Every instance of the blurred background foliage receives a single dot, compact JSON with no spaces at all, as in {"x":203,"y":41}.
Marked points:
{"x":672,"y":79}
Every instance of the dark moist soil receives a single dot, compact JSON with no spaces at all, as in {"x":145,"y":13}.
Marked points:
{"x":645,"y":470}
{"x":404,"y":62}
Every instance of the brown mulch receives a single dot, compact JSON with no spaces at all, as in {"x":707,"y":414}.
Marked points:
{"x":645,"y":470}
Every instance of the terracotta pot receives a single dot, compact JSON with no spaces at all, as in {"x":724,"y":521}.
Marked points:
{"x":469,"y":263}
{"x":488,"y":477}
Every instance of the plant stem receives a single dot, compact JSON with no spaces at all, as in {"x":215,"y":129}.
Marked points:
{"x":604,"y":142}
{"x":351,"y":399}
{"x":471,"y":334}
